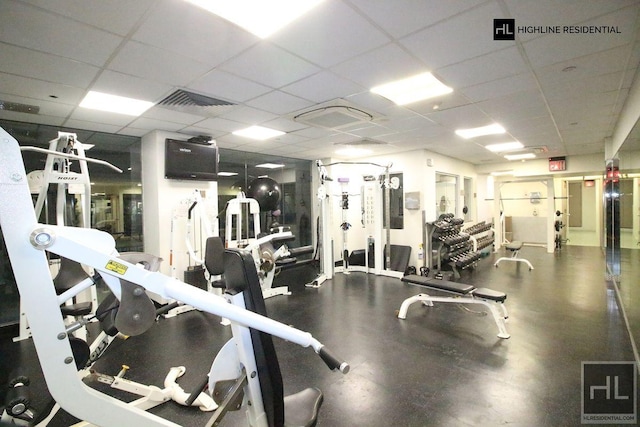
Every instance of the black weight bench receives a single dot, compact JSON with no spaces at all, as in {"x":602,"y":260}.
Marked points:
{"x":462,"y":294}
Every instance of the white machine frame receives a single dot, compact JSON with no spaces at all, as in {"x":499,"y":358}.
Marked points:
{"x":236,"y":210}
{"x":372,"y":196}
{"x":27,"y":241}
{"x":57,"y":171}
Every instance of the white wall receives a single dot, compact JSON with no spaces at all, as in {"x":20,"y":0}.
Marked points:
{"x":160,"y":197}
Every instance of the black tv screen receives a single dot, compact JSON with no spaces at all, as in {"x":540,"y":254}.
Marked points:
{"x":188,"y":160}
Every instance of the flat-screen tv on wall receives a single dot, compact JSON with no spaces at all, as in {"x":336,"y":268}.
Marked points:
{"x":188,"y":160}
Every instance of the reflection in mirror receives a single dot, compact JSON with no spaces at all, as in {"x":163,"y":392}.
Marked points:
{"x":116,"y":198}
{"x":446,"y":190}
{"x":627,"y":284}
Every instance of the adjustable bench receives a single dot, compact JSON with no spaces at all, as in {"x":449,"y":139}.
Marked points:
{"x":462,"y":294}
{"x":514,"y":247}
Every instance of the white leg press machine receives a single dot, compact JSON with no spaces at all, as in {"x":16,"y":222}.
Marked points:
{"x":27,"y":241}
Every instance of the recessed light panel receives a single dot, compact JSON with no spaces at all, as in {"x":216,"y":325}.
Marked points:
{"x":258,"y":132}
{"x":493,"y":129}
{"x":270,"y":165}
{"x":115,"y":104}
{"x":227,"y":173}
{"x":504,"y":146}
{"x":520,"y":156}
{"x":412,"y":89}
{"x":259,"y":17}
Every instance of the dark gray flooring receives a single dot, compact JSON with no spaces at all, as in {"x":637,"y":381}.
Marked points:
{"x":441,"y":366}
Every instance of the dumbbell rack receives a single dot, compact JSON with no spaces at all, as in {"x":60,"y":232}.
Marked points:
{"x":449,"y":246}
{"x":480,"y":242}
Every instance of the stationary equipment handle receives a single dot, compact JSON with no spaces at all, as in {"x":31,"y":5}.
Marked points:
{"x":196,"y":391}
{"x":332,"y":361}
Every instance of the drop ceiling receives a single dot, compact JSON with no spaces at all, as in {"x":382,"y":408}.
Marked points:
{"x":564,"y":92}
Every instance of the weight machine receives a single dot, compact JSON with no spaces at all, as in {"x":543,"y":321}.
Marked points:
{"x":374,"y":192}
{"x":57,"y":170}
{"x":242,"y":230}
{"x":26,"y":242}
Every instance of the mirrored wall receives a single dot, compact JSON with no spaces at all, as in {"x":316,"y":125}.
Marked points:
{"x":116,"y":198}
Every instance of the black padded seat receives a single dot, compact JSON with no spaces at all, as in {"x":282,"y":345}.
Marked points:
{"x":490,"y":294}
{"x":444,"y":285}
{"x":77,"y":309}
{"x":214,"y":260}
{"x":301,"y":409}
{"x":514,"y":246}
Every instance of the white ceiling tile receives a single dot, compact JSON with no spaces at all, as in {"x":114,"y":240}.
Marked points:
{"x":500,"y":87}
{"x":544,"y":50}
{"x":194,"y":33}
{"x":220,"y":125}
{"x":40,"y":32}
{"x":284,"y":125}
{"x":269,"y":65}
{"x":391,"y":63}
{"x":151,"y":124}
{"x":165,"y":114}
{"x":116,"y":16}
{"x":38,"y":89}
{"x":248,"y":116}
{"x":48,"y":108}
{"x":228,"y":86}
{"x":95,"y":116}
{"x":25,"y":117}
{"x":495,"y":65}
{"x":278,"y":102}
{"x":125,"y":85}
{"x":46,"y":67}
{"x":336,"y":52}
{"x":96,"y":126}
{"x":467,"y":116}
{"x":156,"y":64}
{"x":465,"y":36}
{"x":553,"y":13}
{"x":445,"y":102}
{"x":323,"y":86}
{"x":131,"y":131}
{"x":401,"y":17}
{"x":309,"y":36}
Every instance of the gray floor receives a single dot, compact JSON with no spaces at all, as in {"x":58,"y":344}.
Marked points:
{"x":441,"y":366}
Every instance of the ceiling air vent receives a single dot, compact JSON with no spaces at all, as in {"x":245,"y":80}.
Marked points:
{"x":540,"y":149}
{"x":194,"y":103}
{"x":361,"y":143}
{"x":338,"y":114}
{"x":19,"y":108}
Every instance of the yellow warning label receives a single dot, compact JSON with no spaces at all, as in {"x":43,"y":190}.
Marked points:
{"x":116,"y":267}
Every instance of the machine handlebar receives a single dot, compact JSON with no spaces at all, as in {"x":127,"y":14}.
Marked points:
{"x":332,"y":361}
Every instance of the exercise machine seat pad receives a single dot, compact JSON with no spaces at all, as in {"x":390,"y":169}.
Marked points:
{"x":514,"y":246}
{"x":214,"y":256}
{"x":445,"y":285}
{"x":301,"y":409}
{"x":490,"y":294}
{"x":77,"y":309}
